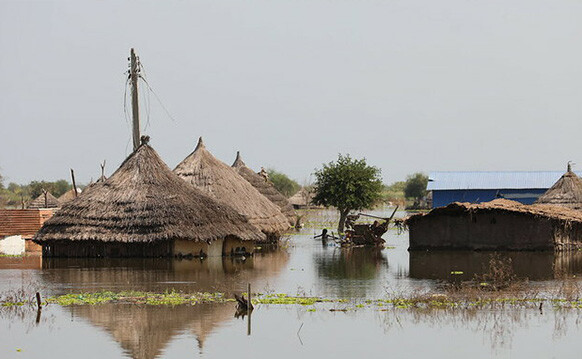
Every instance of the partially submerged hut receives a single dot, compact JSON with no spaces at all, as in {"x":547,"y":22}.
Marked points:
{"x":145,"y":210}
{"x":497,"y":225}
{"x":265,"y":187}
{"x":566,"y":192}
{"x":45,"y":200}
{"x":302,"y":199}
{"x":202,"y":170}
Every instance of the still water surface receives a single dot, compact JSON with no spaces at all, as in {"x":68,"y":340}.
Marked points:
{"x":303,"y":266}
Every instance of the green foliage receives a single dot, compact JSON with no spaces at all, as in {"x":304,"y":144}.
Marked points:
{"x":395,"y":193}
{"x":55,"y":188}
{"x":283,"y":183}
{"x":14,"y":193}
{"x":416,"y":186}
{"x":347,"y":184}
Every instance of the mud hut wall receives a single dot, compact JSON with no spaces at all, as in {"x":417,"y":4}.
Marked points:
{"x":485,"y":230}
{"x":567,"y":235}
{"x":190,"y":248}
{"x":96,"y":249}
{"x":233,"y":246}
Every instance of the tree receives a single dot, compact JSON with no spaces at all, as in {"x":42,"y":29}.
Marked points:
{"x":347,"y":184}
{"x":416,"y":186}
{"x":283,"y":183}
{"x":55,"y":188}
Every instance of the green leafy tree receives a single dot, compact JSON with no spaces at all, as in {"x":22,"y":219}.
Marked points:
{"x":416,"y":186}
{"x":283,"y":183}
{"x":55,"y":188}
{"x":347,"y":184}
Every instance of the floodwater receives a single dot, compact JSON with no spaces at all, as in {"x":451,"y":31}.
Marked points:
{"x":302,"y":266}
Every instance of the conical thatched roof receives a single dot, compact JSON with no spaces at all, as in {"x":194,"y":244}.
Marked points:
{"x":566,"y":192}
{"x":265,"y":187}
{"x":41,"y":202}
{"x":69,"y":196}
{"x":302,"y":198}
{"x":204,"y":171}
{"x":143,"y":201}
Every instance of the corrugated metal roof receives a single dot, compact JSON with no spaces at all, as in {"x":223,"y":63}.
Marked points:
{"x":493,"y":180}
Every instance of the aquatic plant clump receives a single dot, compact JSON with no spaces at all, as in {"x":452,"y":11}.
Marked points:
{"x":415,"y":302}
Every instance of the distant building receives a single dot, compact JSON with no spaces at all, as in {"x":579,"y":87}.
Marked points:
{"x":478,"y":187}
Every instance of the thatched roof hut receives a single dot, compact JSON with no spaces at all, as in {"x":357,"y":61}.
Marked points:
{"x":497,"y":225}
{"x":265,"y":187}
{"x":566,"y":192}
{"x":69,"y":196}
{"x":45,"y":200}
{"x":302,"y":199}
{"x":143,"y":202}
{"x":202,"y":170}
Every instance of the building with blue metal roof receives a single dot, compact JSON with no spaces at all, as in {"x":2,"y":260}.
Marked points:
{"x":477,"y":187}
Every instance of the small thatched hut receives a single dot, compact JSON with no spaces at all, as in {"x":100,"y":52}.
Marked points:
{"x":265,"y":187}
{"x":145,"y":210}
{"x":566,"y":192}
{"x":302,"y":199}
{"x":204,"y":171}
{"x":69,"y":196}
{"x":45,"y":200}
{"x":497,"y":225}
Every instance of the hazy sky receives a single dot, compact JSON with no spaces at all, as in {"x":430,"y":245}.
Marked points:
{"x":410,"y":85}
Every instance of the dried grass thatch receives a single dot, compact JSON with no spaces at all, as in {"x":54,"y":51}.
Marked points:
{"x":144,"y":202}
{"x":202,"y":170}
{"x":266,"y":188}
{"x":45,"y":200}
{"x":505,"y":205}
{"x":302,"y":199}
{"x":69,"y":196}
{"x":566,"y":192}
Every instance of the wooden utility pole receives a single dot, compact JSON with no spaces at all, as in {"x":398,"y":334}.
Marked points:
{"x":133,"y":75}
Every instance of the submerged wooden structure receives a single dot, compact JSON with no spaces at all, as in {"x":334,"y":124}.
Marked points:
{"x":266,"y":188}
{"x":145,"y":210}
{"x":205,"y":172}
{"x":497,"y":225}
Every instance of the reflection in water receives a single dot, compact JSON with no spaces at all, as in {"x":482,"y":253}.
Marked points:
{"x":144,"y":331}
{"x":526,"y":265}
{"x":212,"y":274}
{"x":357,"y":264}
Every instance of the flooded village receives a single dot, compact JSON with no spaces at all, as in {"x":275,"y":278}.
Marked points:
{"x":290,"y":179}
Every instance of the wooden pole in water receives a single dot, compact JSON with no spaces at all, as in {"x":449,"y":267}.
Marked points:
{"x":133,"y":75}
{"x":38,"y":302}
{"x":249,"y":309}
{"x":74,"y":184}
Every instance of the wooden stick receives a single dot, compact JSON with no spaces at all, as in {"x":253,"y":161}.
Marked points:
{"x":249,"y":309}
{"x":38,"y":301}
{"x":74,"y":184}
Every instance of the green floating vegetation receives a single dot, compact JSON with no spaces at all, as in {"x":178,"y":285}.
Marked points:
{"x":285,"y":299}
{"x":419,"y":302}
{"x":457,"y":272}
{"x":170,"y":298}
